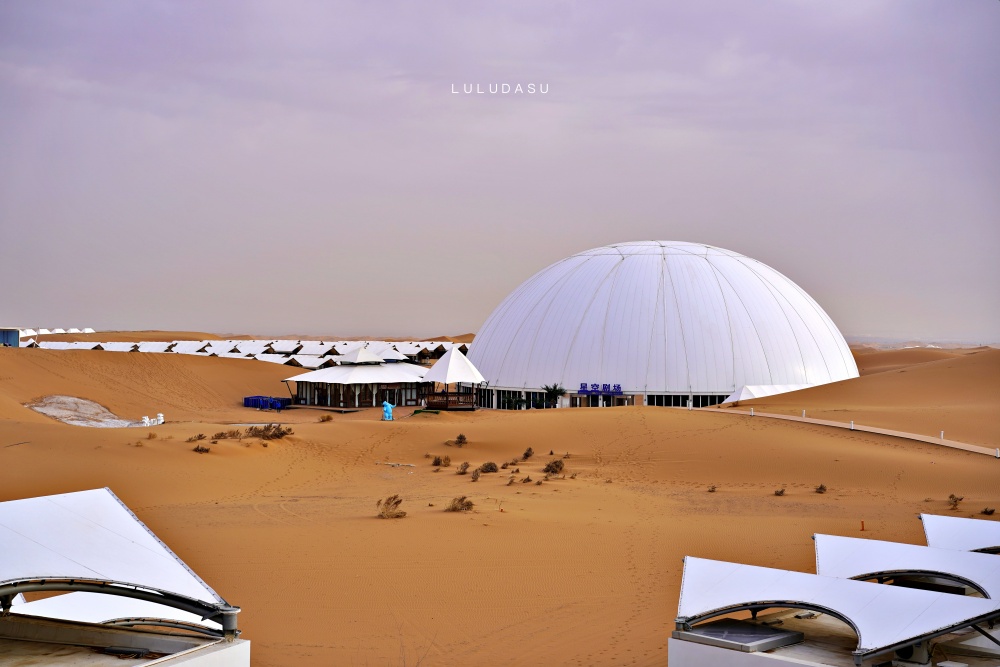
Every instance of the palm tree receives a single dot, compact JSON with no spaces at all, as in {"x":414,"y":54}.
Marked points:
{"x":553,"y":393}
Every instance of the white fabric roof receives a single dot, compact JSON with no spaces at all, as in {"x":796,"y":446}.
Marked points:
{"x":89,"y":535}
{"x":365,"y":374}
{"x":747,"y":392}
{"x":118,"y":347}
{"x":453,"y":366}
{"x":88,"y":330}
{"x":850,"y":557}
{"x":285,"y":346}
{"x":232,"y":355}
{"x":882,"y":616}
{"x":272,"y":358}
{"x":311,"y":360}
{"x":952,"y":532}
{"x":360,"y":355}
{"x":60,"y":345}
{"x":26,"y":333}
{"x":42,"y":332}
{"x":154,"y":346}
{"x":660,"y":316}
{"x":220,"y":347}
{"x":58,"y":331}
{"x":315,"y":348}
{"x":189,"y":346}
{"x":251,"y":347}
{"x":73,"y":330}
{"x":97,"y":608}
{"x":390,"y":353}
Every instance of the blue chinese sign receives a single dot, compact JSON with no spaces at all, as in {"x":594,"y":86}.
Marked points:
{"x":597,"y":389}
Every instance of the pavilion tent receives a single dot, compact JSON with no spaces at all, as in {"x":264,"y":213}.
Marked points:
{"x":364,"y":374}
{"x":28,"y":343}
{"x":217,"y":347}
{"x":360,"y":355}
{"x":391,"y":355}
{"x":57,"y":330}
{"x":952,"y":532}
{"x":88,"y":330}
{"x":854,"y":558}
{"x":883,"y":617}
{"x":44,"y":332}
{"x":454,"y":367}
{"x":90,"y":541}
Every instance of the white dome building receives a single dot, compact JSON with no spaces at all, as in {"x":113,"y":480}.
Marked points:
{"x":657,"y":323}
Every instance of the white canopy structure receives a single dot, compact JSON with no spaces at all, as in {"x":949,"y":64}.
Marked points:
{"x":273,"y":358}
{"x":117,"y":347}
{"x":312,"y":362}
{"x":252,"y":348}
{"x":27,"y":333}
{"x":219,"y":347}
{"x":97,"y":608}
{"x":364,"y":374}
{"x":286,"y":346}
{"x":454,"y":367}
{"x":315,"y":348}
{"x":391,"y":354}
{"x":189,"y":346}
{"x":884,"y":618}
{"x":660,"y":317}
{"x":89,"y":541}
{"x":155,"y":347}
{"x":360,"y":355}
{"x":952,"y":532}
{"x":853,"y":558}
{"x":88,"y":330}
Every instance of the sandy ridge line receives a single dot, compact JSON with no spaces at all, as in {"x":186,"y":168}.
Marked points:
{"x":954,"y":444}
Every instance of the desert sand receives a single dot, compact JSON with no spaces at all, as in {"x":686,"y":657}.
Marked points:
{"x":581,"y":570}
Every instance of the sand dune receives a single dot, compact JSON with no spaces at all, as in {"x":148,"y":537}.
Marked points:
{"x":958,"y":393}
{"x":575,"y":571}
{"x":131,"y":336}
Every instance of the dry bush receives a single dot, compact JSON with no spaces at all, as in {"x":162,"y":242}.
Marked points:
{"x":326,"y":418}
{"x":538,"y":483}
{"x":711,"y":489}
{"x":517,"y":471}
{"x":821,"y":488}
{"x":268,"y":432}
{"x":553,"y":467}
{"x":526,"y":480}
{"x":573,"y":476}
{"x":459,"y":504}
{"x":988,"y":511}
{"x":202,"y":449}
{"x":954,"y":500}
{"x":233,"y":434}
{"x":150,"y":436}
{"x":528,"y":453}
{"x":436,"y":461}
{"x":427,"y":455}
{"x":514,"y":462}
{"x":196,"y":438}
{"x":461,"y":440}
{"x":475,"y":475}
{"x":463,"y":468}
{"x":504,"y":465}
{"x":445,"y":462}
{"x":552,"y":452}
{"x":566,"y":455}
{"x":489,"y":466}
{"x":510,"y":480}
{"x":389,"y":508}
{"x":779,"y":492}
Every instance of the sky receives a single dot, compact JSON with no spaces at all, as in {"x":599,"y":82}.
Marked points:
{"x":317,"y":168}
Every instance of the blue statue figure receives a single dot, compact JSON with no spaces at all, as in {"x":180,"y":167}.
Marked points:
{"x":387,"y":411}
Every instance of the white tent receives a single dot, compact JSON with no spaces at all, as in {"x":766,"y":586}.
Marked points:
{"x":89,"y":541}
{"x":364,"y":374}
{"x":360,"y":355}
{"x":312,"y":361}
{"x":952,"y":532}
{"x":883,"y":617}
{"x":189,"y":346}
{"x":747,"y":392}
{"x":853,"y":558}
{"x":97,"y":608}
{"x":154,"y":346}
{"x":453,"y":367}
{"x":26,"y":333}
{"x":391,"y":354}
{"x":88,"y":330}
{"x":44,"y":332}
{"x":286,"y":346}
{"x":252,"y":347}
{"x":58,"y":331}
{"x":273,"y":358}
{"x":219,"y":347}
{"x":315,"y":348}
{"x":117,"y":347}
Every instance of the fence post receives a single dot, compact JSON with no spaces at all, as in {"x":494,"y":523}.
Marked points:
{"x":751,"y":412}
{"x":942,"y":435}
{"x":852,"y":424}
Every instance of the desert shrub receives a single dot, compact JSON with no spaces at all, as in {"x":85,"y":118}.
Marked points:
{"x":552,"y":452}
{"x":268,"y":431}
{"x":463,"y":468}
{"x":526,"y":480}
{"x":231,"y":434}
{"x":150,"y":436}
{"x":528,"y":453}
{"x":196,"y":438}
{"x":202,"y":449}
{"x":517,"y":471}
{"x":475,"y":475}
{"x":514,"y":462}
{"x":326,"y":418}
{"x":566,"y":455}
{"x":988,"y":511}
{"x":459,"y":504}
{"x":538,"y":483}
{"x":510,"y":480}
{"x":821,"y":488}
{"x":573,"y":476}
{"x":553,"y":467}
{"x":461,"y":440}
{"x":489,"y":466}
{"x":389,"y":508}
{"x":954,"y":500}
{"x":445,"y":462}
{"x":504,"y":465}
{"x":436,"y":461}
{"x":711,"y":489}
{"x":779,"y":492}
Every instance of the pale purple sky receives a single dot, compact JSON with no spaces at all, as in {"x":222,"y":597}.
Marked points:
{"x":275,"y":167}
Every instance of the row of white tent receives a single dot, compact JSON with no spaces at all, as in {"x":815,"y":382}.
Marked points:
{"x":309,"y":354}
{"x":28,"y":333}
{"x":884,"y":617}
